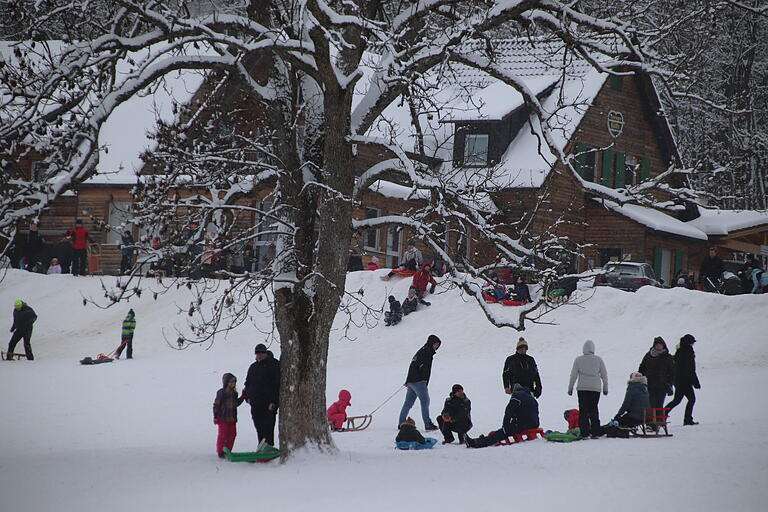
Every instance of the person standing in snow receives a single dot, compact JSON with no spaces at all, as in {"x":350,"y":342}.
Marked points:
{"x":711,"y":271}
{"x":80,"y":239}
{"x":520,"y":368}
{"x":686,"y":379}
{"x":635,"y":402}
{"x":262,"y":392}
{"x":23,"y":318}
{"x":225,"y":413}
{"x":126,"y":252}
{"x":417,"y":381}
{"x":590,"y":371}
{"x":126,"y":336}
{"x":456,"y":415}
{"x":658,"y":366}
{"x":337,"y":412}
{"x":521,"y":413}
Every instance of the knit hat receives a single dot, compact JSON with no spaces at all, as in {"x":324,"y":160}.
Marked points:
{"x":433,"y":339}
{"x":260,"y":349}
{"x":521,"y":342}
{"x":18,"y":304}
{"x":457,"y":387}
{"x":391,"y":298}
{"x":688,"y":339}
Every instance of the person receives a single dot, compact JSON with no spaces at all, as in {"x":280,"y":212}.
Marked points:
{"x":23,"y":319}
{"x":412,"y":260}
{"x":658,"y":366}
{"x":420,"y":281}
{"x":262,"y":392}
{"x":337,"y":412}
{"x":373,"y":264}
{"x":759,"y":280}
{"x":456,"y":415}
{"x":64,"y":252}
{"x":54,"y":267}
{"x":126,"y":337}
{"x":417,"y":381}
{"x":411,"y":302}
{"x":711,"y":270}
{"x":395,"y":313}
{"x":225,"y":413}
{"x":684,"y":280}
{"x":126,"y":252}
{"x":572,"y":417}
{"x":635,"y":402}
{"x":494,"y":289}
{"x":248,"y":256}
{"x":408,"y":433}
{"x":521,"y":413}
{"x":80,"y":239}
{"x":33,"y":247}
{"x":686,"y":379}
{"x":355,"y":261}
{"x":520,"y":368}
{"x":521,"y":291}
{"x":590,"y":371}
{"x":236,"y":259}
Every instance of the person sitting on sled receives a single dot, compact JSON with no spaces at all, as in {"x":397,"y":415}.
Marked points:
{"x":411,"y":302}
{"x":420,"y":281}
{"x":494,"y":289}
{"x":408,"y":433}
{"x":337,"y":412}
{"x":412,"y":260}
{"x":456,"y":415}
{"x":373,"y":264}
{"x":395,"y":313}
{"x":225,"y":413}
{"x":522,"y":413}
{"x":636,"y":400}
{"x":521,"y":292}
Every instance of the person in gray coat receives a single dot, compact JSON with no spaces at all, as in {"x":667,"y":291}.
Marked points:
{"x":636,"y":400}
{"x":590,"y":371}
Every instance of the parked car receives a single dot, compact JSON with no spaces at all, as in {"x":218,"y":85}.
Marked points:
{"x":627,"y":275}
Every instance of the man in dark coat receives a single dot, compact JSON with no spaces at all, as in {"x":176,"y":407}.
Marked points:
{"x":262,"y":392}
{"x":33,"y":247}
{"x":686,"y":379}
{"x":417,"y":381}
{"x":521,"y":413}
{"x":23,"y":318}
{"x":711,"y":270}
{"x":126,"y":252}
{"x":456,"y":415}
{"x":520,"y":368}
{"x":64,"y":252}
{"x":658,"y":366}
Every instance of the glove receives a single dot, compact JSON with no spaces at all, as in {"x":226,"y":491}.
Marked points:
{"x":432,"y":289}
{"x":570,"y":392}
{"x":508,"y":391}
{"x":697,"y":386}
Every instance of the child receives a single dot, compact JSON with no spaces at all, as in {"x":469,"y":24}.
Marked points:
{"x":54,"y":268}
{"x":337,"y":412}
{"x":456,"y":415}
{"x":395,"y":313}
{"x":225,"y":413}
{"x":373,"y":264}
{"x":411,"y":302}
{"x":572,"y":417}
{"x":129,"y":327}
{"x":408,"y":435}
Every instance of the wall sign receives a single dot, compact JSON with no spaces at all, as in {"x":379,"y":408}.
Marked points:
{"x":615,"y":123}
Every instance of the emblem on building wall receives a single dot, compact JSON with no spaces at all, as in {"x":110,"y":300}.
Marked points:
{"x":615,"y":123}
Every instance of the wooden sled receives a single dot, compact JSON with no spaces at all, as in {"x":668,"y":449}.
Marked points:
{"x":12,"y":355}
{"x":355,"y":423}
{"x":655,"y":421}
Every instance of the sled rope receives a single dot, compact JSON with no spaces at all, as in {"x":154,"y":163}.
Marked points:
{"x":387,"y":400}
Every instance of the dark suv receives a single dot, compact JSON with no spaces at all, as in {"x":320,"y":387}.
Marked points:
{"x":627,"y":275}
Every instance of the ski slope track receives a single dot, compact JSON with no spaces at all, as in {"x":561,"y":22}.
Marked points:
{"x":138,"y":435}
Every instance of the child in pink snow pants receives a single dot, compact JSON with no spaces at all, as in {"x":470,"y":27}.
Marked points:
{"x":225,"y":413}
{"x":337,"y":412}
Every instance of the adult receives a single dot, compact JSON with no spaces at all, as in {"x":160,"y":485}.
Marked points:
{"x":759,"y":280}
{"x":520,"y":368}
{"x":521,"y":291}
{"x":80,"y":239}
{"x":658,"y":366}
{"x":33,"y":247}
{"x":635,"y":401}
{"x":711,"y":271}
{"x":412,"y":260}
{"x":456,"y":415}
{"x":521,"y":413}
{"x":262,"y":392}
{"x":126,"y":252}
{"x":421,"y":279}
{"x":417,"y":382}
{"x":590,"y":371}
{"x":248,"y":256}
{"x":126,"y":336}
{"x":686,"y":379}
{"x":64,"y":252}
{"x":23,"y":318}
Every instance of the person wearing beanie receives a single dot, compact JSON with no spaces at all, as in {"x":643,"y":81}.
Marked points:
{"x":417,"y":381}
{"x":658,"y":366}
{"x":225,"y":413}
{"x":521,"y":413}
{"x":686,"y":379}
{"x":635,"y":401}
{"x":590,"y":371}
{"x":129,"y":326}
{"x":23,"y":318}
{"x":337,"y":412}
{"x":262,"y":392}
{"x":408,"y":432}
{"x":395,"y":313}
{"x":456,"y":415}
{"x":520,"y":368}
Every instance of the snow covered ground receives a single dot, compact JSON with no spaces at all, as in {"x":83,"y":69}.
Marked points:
{"x":138,"y":435}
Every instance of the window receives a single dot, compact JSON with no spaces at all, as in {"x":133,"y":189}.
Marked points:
{"x":476,"y":150}
{"x":631,"y":170}
{"x":585,"y":162}
{"x":608,"y":255}
{"x":620,"y":170}
{"x":371,"y":239}
{"x":662,"y":263}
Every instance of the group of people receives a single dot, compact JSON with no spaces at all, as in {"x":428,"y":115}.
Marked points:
{"x":68,"y":255}
{"x":416,"y":293}
{"x":512,"y":287}
{"x":751,"y":276}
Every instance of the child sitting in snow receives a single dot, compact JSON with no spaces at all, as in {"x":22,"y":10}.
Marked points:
{"x":337,"y":412}
{"x":411,"y":302}
{"x":225,"y":413}
{"x":408,"y":435}
{"x":395,"y":313}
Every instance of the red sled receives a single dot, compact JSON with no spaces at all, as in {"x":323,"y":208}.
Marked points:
{"x":526,"y":435}
{"x":405,"y":273}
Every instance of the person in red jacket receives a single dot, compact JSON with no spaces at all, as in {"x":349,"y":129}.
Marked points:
{"x":80,"y":239}
{"x":225,"y":413}
{"x":337,"y":412}
{"x":421,"y":279}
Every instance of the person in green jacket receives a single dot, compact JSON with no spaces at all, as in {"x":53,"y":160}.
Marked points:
{"x":129,"y":325}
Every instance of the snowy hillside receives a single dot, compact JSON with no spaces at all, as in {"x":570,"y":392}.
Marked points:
{"x":138,"y":435}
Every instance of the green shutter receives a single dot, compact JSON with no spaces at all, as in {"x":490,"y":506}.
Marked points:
{"x":607,"y":178}
{"x":615,"y":82}
{"x":657,"y":261}
{"x":645,"y":169}
{"x":581,"y":158}
{"x":619,"y":170}
{"x":678,"y":261}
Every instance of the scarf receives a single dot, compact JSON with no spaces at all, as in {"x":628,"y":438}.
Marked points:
{"x":657,"y":353}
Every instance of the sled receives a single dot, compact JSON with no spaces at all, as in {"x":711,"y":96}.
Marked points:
{"x":564,"y":437}
{"x":654,"y":421}
{"x":264,"y":455}
{"x":354,"y":423}
{"x":404,"y":273}
{"x":101,"y":358}
{"x":7,"y":356}
{"x":506,"y":302}
{"x":415,"y":445}
{"x":526,"y":435}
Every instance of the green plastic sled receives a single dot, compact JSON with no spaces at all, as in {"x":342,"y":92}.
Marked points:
{"x":564,"y":437}
{"x":263,"y":455}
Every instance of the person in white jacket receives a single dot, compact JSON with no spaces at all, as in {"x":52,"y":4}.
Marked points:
{"x":590,"y":370}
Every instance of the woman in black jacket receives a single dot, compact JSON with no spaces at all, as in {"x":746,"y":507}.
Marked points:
{"x":686,"y":379}
{"x":658,"y":366}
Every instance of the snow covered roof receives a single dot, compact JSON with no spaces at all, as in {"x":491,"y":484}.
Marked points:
{"x":654,"y":219}
{"x":724,"y":222}
{"x":397,"y":191}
